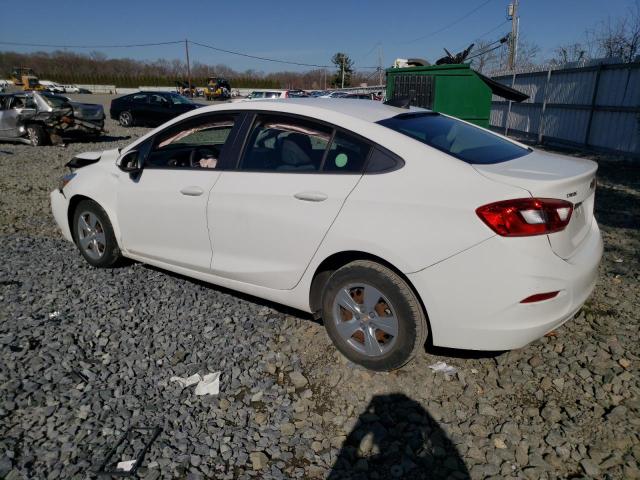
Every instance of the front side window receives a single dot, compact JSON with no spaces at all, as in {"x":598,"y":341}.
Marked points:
{"x":287,"y":144}
{"x":196,"y":143}
{"x":180,"y":100}
{"x":157,"y":99}
{"x":466,"y":142}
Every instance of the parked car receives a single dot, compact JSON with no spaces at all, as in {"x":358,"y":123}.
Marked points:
{"x":37,"y":117}
{"x":334,"y":94}
{"x":71,"y":89}
{"x":360,"y":96}
{"x":261,"y":94}
{"x":52,"y":87}
{"x":391,"y":224}
{"x":149,"y":108}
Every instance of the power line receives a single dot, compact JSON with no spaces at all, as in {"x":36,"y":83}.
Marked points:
{"x":449,"y":25}
{"x":47,"y":45}
{"x":259,"y":58}
{"x":211,"y":47}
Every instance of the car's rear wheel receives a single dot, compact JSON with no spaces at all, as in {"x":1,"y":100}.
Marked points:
{"x":126,"y":119}
{"x":37,"y":135}
{"x":94,"y":236}
{"x":373,"y":316}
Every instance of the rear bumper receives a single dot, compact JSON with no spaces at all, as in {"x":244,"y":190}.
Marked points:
{"x":473,"y":299}
{"x":60,"y":207}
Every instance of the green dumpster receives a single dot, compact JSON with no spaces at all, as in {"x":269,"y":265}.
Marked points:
{"x":456,"y":90}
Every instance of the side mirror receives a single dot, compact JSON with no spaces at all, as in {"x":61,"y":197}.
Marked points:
{"x":130,"y":162}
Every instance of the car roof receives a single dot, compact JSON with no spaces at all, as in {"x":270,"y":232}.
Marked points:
{"x":370,"y":111}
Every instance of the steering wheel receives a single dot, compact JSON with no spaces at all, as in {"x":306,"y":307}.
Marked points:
{"x":199,"y":153}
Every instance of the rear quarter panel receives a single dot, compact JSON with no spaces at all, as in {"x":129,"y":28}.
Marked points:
{"x":418,"y":215}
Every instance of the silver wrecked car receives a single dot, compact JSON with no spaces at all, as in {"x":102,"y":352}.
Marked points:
{"x":39,"y":118}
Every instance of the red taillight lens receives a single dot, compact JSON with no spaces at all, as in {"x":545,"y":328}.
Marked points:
{"x":523,"y":217}
{"x":539,"y":297}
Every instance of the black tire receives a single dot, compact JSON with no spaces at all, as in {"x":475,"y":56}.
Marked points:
{"x":37,"y":135}
{"x":125,"y":119}
{"x":411,"y":323}
{"x":104,"y":252}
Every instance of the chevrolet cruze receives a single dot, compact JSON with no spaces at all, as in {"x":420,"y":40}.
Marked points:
{"x":392,"y":225}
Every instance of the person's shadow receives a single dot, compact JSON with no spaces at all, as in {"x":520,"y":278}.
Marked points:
{"x":396,"y":438}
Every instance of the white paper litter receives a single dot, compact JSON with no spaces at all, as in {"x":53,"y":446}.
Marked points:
{"x":126,"y":466}
{"x":444,"y":368}
{"x":619,"y":260}
{"x":187,"y":381}
{"x":207,"y":385}
{"x":54,"y":314}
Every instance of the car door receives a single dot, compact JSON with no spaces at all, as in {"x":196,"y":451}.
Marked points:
{"x":160,"y":109}
{"x":268,"y":216}
{"x":139,"y":106}
{"x":162,"y":210}
{"x":18,"y":108}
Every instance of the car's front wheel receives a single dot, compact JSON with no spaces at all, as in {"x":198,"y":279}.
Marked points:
{"x":94,"y":236}
{"x":125,"y":119}
{"x":37,"y":135}
{"x":373,"y":316}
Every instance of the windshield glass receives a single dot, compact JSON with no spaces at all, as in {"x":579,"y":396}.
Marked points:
{"x":179,"y":99}
{"x":466,"y":142}
{"x":56,"y":101}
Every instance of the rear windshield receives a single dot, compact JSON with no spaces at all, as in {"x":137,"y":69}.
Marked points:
{"x":468,"y":143}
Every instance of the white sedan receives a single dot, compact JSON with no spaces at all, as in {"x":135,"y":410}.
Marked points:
{"x":393,"y":225}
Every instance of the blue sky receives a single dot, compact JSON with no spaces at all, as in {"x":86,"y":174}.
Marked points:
{"x":301,"y":31}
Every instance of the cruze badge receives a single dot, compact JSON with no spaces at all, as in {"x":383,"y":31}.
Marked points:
{"x":572,"y":194}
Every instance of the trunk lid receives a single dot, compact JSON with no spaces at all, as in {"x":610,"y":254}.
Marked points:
{"x":548,"y":175}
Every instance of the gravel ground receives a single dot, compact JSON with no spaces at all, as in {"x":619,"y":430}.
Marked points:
{"x":86,"y":353}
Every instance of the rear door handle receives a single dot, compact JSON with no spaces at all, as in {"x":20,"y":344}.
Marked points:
{"x":192,"y":191}
{"x":311,"y":196}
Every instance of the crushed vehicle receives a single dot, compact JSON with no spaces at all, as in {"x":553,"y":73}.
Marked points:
{"x":39,"y":118}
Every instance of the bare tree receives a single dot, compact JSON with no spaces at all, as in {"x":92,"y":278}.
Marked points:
{"x":618,"y":38}
{"x":487,"y":59}
{"x":527,"y":53}
{"x":572,"y":52}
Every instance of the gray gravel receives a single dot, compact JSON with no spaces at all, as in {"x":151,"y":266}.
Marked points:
{"x":566,"y":406}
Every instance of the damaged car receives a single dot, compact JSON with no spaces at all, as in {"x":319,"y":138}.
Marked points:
{"x":40,"y":118}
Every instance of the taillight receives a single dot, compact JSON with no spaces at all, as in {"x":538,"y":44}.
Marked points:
{"x":526,"y":216}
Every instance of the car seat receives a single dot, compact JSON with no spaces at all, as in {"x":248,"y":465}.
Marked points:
{"x":295,"y":153}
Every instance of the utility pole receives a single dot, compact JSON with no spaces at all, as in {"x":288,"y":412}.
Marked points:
{"x":380,"y":70}
{"x":186,"y":47}
{"x":342,"y":71}
{"x":512,"y":14}
{"x":325,"y":78}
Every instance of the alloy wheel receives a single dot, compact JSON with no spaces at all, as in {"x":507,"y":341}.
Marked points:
{"x":91,"y":237}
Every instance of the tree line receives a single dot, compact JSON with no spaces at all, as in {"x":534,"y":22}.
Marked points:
{"x":95,"y":68}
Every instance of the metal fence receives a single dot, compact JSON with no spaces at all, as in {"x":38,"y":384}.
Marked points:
{"x":596,"y":107}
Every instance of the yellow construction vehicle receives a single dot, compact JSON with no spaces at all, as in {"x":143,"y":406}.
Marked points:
{"x":26,"y":78}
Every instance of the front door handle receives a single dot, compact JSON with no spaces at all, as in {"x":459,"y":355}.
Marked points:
{"x":311,"y":196}
{"x":192,"y":191}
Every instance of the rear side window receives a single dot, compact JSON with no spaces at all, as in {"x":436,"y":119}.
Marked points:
{"x":139,"y":98}
{"x":468,"y":143}
{"x":280,"y":143}
{"x":346,"y":154}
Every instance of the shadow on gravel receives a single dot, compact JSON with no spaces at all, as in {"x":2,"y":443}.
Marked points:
{"x":615,"y":208}
{"x":396,"y":438}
